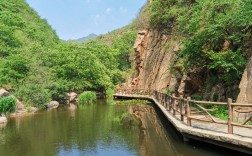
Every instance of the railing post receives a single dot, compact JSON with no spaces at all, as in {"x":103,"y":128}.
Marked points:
{"x":166,"y":101}
{"x":181,"y":108}
{"x":173,"y":104}
{"x":163,"y":99}
{"x":230,"y":116}
{"x":170,"y":102}
{"x":188,"y":110}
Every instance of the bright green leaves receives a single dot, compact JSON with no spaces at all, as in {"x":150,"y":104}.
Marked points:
{"x":39,"y":68}
{"x":13,"y":69}
{"x":7,"y":40}
{"x":87,"y":97}
{"x":229,"y":64}
{"x":216,"y":34}
{"x":124,"y":46}
{"x":7,"y":104}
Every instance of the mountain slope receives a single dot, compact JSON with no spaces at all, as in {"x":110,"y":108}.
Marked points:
{"x":84,"y":39}
{"x":37,"y":67}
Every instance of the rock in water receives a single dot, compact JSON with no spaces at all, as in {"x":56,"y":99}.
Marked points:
{"x":52,"y":105}
{"x":71,"y":97}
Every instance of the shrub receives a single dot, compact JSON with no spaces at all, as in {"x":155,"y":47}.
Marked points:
{"x":35,"y":95}
{"x":7,"y":104}
{"x":109,"y":92}
{"x":87,"y":96}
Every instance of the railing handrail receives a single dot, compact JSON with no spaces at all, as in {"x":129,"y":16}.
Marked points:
{"x":200,"y":102}
{"x":183,"y":107}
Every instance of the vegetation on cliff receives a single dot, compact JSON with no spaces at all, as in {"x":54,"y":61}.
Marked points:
{"x":215,"y":35}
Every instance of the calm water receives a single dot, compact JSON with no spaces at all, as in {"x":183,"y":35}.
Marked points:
{"x":99,"y":129}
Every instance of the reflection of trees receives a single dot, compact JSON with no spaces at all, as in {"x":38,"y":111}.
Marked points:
{"x":43,"y":134}
{"x":87,"y":129}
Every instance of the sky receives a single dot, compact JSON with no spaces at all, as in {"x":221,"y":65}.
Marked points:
{"x":73,"y":19}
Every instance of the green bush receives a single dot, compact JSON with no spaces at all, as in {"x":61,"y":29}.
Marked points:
{"x":7,"y":104}
{"x":110,"y":92}
{"x":87,"y":96}
{"x":34,"y":95}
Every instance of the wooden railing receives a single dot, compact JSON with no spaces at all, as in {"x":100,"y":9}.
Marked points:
{"x":194,"y":110}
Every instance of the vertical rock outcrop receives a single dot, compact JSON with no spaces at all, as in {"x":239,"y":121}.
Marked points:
{"x":245,"y":95}
{"x":154,"y":54}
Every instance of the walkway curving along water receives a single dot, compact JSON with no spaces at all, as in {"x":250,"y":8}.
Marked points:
{"x":214,"y":133}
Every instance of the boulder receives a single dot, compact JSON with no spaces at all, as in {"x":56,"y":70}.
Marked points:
{"x":19,"y":105}
{"x":3,"y":93}
{"x":33,"y":109}
{"x":52,"y":105}
{"x":3,"y":119}
{"x":72,"y":96}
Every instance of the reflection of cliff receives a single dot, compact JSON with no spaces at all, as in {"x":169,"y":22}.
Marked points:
{"x":153,"y":138}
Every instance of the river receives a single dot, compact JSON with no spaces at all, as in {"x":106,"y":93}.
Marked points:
{"x":99,"y":129}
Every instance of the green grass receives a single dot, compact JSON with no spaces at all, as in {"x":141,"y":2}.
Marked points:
{"x":7,"y":104}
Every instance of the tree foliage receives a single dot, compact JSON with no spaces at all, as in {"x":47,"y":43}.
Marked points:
{"x":38,"y":67}
{"x":215,"y":33}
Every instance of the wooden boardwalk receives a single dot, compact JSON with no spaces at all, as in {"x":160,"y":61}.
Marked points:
{"x":200,"y":127}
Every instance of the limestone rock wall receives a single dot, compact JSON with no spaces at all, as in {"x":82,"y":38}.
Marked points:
{"x":245,"y":95}
{"x":154,"y":54}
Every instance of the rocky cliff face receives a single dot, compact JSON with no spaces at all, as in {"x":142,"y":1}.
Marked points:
{"x":154,"y":54}
{"x":245,"y":95}
{"x":155,"y":57}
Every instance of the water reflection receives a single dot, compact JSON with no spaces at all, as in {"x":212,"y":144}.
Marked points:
{"x":92,"y":130}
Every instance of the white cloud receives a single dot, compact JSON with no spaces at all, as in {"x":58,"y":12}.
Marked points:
{"x":108,"y":10}
{"x":96,"y":19}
